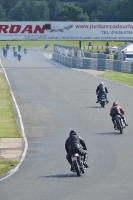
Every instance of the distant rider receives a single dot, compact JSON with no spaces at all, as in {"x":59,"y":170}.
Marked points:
{"x":117,"y":110}
{"x":75,"y":144}
{"x":25,"y":50}
{"x":19,"y":47}
{"x":7,"y":46}
{"x":19,"y":55}
{"x":101,"y":89}
{"x":4,"y":50}
{"x":15,"y":51}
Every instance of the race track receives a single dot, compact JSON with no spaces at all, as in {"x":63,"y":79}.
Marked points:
{"x":53,"y":100}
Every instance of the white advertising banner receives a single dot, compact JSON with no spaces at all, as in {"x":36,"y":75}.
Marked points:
{"x":66,"y":31}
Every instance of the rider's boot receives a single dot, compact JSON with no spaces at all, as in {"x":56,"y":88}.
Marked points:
{"x":125,"y":122}
{"x":86,"y":165}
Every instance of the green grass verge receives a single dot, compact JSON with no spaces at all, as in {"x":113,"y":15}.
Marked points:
{"x":8,"y":126}
{"x":28,"y":44}
{"x":6,"y":165}
{"x":124,"y":78}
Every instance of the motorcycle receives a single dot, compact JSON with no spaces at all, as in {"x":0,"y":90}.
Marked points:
{"x":77,"y":164}
{"x":25,"y":51}
{"x":19,"y":49}
{"x":103,"y":100}
{"x":15,"y":53}
{"x":5,"y":53}
{"x":119,"y":124}
{"x":19,"y":57}
{"x":7,"y":46}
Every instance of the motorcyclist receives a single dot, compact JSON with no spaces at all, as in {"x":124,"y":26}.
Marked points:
{"x":19,"y":55}
{"x":19,"y":47}
{"x":14,"y":48}
{"x":25,"y":50}
{"x":75,"y":144}
{"x":15,"y":51}
{"x":4,"y":50}
{"x":117,"y":110}
{"x":101,"y":89}
{"x":7,"y":46}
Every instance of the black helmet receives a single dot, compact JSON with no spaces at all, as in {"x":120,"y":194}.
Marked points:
{"x":115,"y":103}
{"x":72,"y":132}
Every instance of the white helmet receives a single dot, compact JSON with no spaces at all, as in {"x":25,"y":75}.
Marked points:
{"x":101,"y":83}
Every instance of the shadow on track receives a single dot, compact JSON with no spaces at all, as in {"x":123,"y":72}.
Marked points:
{"x":94,"y":107}
{"x":60,"y":176}
{"x":109,"y":133}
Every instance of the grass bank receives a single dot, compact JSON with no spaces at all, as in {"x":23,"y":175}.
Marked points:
{"x":6,"y":165}
{"x":124,"y":78}
{"x":8,"y":126}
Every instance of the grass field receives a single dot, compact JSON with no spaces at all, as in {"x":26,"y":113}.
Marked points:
{"x":31,"y":43}
{"x":124,"y":78}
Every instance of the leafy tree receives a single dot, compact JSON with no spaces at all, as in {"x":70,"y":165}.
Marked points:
{"x":30,"y":11}
{"x":123,"y":10}
{"x":71,"y":12}
{"x":98,"y":10}
{"x":43,"y":11}
{"x":54,"y":8}
{"x":1,"y":11}
{"x":8,"y":4}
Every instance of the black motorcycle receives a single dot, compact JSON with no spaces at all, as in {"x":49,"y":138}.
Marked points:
{"x":7,"y":46}
{"x":19,"y":48}
{"x":77,"y":164}
{"x":25,"y":51}
{"x":19,"y":57}
{"x":4,"y":53}
{"x":103,"y":100}
{"x":15,"y":53}
{"x":119,"y":124}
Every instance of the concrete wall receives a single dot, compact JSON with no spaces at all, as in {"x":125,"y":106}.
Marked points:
{"x":94,"y":63}
{"x":96,"y":55}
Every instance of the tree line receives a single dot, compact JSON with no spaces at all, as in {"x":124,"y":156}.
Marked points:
{"x":58,"y":10}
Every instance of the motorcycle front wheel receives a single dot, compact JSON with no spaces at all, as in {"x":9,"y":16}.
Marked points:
{"x":102,"y":104}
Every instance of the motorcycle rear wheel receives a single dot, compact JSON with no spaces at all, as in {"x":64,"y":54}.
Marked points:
{"x":120,"y":127}
{"x":77,"y":168}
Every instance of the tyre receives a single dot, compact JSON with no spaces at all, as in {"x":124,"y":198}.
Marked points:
{"x":121,"y":130}
{"x":119,"y":127}
{"x":77,"y":168}
{"x":102,"y":104}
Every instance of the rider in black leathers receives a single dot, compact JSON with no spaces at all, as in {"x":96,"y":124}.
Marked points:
{"x":101,"y":89}
{"x":75,"y":144}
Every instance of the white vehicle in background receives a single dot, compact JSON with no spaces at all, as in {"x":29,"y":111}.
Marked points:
{"x":128,"y":57}
{"x":127,"y":53}
{"x":113,"y":50}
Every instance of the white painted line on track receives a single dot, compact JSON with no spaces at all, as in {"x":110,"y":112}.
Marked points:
{"x":11,"y":172}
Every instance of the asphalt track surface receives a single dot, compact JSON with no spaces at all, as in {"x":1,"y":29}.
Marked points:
{"x":54,"y":99}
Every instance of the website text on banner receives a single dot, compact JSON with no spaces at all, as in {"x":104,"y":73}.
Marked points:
{"x":66,"y":31}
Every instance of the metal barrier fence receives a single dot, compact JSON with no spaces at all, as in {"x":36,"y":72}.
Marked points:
{"x":94,"y":63}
